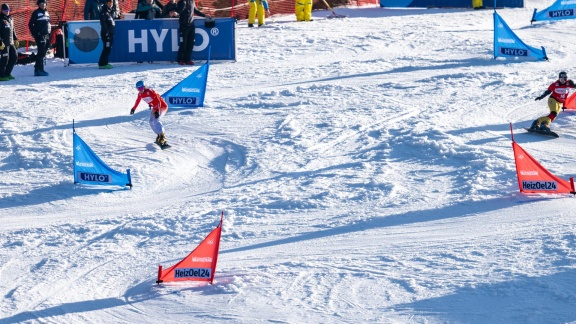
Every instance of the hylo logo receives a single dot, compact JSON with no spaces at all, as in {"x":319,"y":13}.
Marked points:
{"x":182,"y":100}
{"x":93,"y":177}
{"x":159,"y":37}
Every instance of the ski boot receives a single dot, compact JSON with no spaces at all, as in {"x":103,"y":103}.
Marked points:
{"x":535,"y":125}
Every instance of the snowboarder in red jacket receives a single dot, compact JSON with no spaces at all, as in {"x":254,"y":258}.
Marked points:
{"x":159,"y":109}
{"x":559,"y":90}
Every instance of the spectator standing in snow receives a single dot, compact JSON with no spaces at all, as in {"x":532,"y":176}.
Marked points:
{"x":107,"y":34}
{"x":257,"y":8}
{"x":187,"y":9}
{"x":303,"y":10}
{"x":8,"y":44}
{"x":558,"y":92}
{"x":40,"y":28}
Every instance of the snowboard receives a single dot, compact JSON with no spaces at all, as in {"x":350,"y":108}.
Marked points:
{"x":544,"y":133}
{"x":165,"y":146}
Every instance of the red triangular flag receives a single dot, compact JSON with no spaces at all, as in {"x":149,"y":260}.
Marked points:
{"x":200,"y":264}
{"x":534,"y":178}
{"x":570,"y":103}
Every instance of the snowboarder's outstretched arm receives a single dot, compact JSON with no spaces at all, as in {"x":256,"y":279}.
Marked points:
{"x":135,"y":105}
{"x":547,"y":92}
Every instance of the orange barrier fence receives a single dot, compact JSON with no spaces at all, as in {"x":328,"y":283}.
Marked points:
{"x":70,"y":10}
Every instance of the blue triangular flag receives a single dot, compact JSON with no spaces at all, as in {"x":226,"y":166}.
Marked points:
{"x":507,"y":44}
{"x":189,"y":93}
{"x":90,"y":170}
{"x":561,"y":9}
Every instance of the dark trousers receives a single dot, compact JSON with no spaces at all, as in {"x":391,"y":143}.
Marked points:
{"x":187,"y":35}
{"x":92,"y":10}
{"x":42,"y":43}
{"x":107,"y":40}
{"x":7,"y":60}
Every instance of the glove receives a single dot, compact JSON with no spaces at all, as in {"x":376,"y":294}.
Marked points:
{"x":156,"y":114}
{"x":2,"y":46}
{"x":539,"y":98}
{"x":132,"y":111}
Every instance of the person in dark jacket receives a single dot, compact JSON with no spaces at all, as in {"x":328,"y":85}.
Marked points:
{"x":39,"y":26}
{"x":116,"y":12}
{"x":8,"y":55}
{"x":170,"y":10}
{"x":148,"y":10}
{"x":186,"y":10}
{"x":107,"y":34}
{"x":92,"y":9}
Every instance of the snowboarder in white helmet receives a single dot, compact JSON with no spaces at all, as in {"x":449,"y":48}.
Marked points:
{"x":158,"y":109}
{"x":558,"y":91}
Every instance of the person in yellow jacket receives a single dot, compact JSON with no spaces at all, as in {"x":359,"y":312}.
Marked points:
{"x":303,"y":10}
{"x":257,"y":8}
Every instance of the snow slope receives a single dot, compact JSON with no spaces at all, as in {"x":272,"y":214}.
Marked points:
{"x":364,"y":166}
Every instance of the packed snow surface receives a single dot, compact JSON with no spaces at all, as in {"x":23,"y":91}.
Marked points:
{"x":364,"y":167}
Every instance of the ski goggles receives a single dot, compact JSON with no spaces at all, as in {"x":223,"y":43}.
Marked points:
{"x":563,"y":76}
{"x":140,"y":88}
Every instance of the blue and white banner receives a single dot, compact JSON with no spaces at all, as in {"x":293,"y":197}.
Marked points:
{"x":189,"y":93}
{"x":90,"y":170}
{"x":150,"y":40}
{"x":561,"y":9}
{"x":507,"y":44}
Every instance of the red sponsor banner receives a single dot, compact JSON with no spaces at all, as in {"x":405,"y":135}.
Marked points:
{"x":534,"y":178}
{"x":200,"y":264}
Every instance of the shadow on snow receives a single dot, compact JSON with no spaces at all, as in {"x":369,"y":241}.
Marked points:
{"x":408,"y":218}
{"x":544,"y":299}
